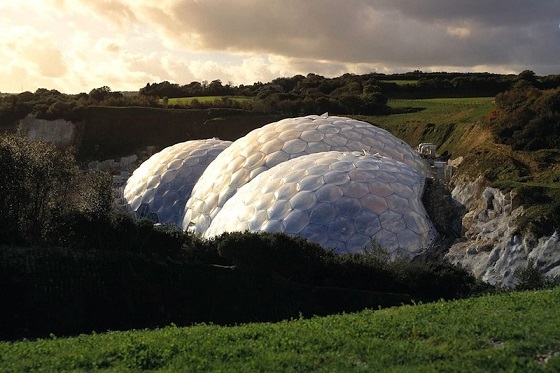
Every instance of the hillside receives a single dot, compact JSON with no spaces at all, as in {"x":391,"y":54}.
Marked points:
{"x":449,"y":123}
{"x":507,"y":332}
{"x":464,"y":129}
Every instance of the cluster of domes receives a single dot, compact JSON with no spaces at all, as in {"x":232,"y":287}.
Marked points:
{"x":336,"y":181}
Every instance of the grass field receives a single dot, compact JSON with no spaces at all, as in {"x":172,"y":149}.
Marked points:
{"x":438,"y":110}
{"x":447,"y":122}
{"x":401,"y":82}
{"x":517,"y":331}
{"x":204,"y":99}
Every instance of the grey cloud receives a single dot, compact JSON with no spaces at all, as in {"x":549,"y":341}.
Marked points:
{"x":484,"y":12}
{"x":388,"y":32}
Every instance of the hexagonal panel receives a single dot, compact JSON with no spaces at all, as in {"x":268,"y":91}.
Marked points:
{"x":296,"y":221}
{"x":374,"y":203}
{"x":354,"y":189}
{"x":303,"y":200}
{"x":329,"y":193}
{"x":392,"y":222}
{"x":322,"y":213}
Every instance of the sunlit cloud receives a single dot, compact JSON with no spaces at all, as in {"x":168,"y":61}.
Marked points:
{"x":460,"y":32}
{"x":78,"y":45}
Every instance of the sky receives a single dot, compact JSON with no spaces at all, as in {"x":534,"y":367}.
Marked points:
{"x":77,"y":45}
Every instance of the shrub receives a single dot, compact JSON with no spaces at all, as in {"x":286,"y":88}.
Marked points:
{"x":527,"y":118}
{"x":120,"y":232}
{"x":291,"y":257}
{"x":36,"y":177}
{"x":529,"y":278}
{"x":298,"y":260}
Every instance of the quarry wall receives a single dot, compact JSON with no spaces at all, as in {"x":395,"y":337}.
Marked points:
{"x":491,"y":246}
{"x":103,"y":133}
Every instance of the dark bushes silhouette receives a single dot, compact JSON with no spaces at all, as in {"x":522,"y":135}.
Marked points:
{"x":301,"y":261}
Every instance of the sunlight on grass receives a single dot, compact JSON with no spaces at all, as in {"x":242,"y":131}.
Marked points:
{"x":515,"y":331}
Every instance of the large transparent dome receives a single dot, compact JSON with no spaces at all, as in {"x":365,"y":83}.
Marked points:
{"x":343,"y":201}
{"x":278,"y":142}
{"x":160,"y":187}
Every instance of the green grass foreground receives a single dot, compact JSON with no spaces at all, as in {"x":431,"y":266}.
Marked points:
{"x":517,"y":331}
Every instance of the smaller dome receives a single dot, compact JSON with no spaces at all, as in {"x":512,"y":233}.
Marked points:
{"x":160,"y":187}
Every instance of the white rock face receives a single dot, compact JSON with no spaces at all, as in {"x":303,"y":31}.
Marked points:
{"x":492,"y":248}
{"x":277,"y":142}
{"x":59,"y":131}
{"x":339,"y":200}
{"x":160,"y":187}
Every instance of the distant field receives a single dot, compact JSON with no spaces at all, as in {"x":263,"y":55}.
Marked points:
{"x":446,"y":122}
{"x":439,"y":110}
{"x":518,"y":331}
{"x":204,"y":99}
{"x":401,"y":82}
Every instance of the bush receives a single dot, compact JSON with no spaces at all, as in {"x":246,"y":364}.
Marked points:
{"x":527,"y":118}
{"x":36,"y":178}
{"x":120,"y":232}
{"x":298,"y":260}
{"x":530,"y":278}
{"x":291,"y":257}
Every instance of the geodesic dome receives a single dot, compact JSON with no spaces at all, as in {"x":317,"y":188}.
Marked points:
{"x":343,"y":201}
{"x":160,"y":187}
{"x":278,"y":142}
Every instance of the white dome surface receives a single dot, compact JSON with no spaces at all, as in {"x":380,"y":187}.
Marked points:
{"x":342,"y":201}
{"x":160,"y":187}
{"x":277,"y":142}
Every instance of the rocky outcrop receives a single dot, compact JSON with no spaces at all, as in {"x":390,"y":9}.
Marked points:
{"x":491,"y":246}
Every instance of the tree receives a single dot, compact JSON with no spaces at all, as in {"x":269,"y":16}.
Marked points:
{"x":41,"y":184}
{"x":99,"y":94}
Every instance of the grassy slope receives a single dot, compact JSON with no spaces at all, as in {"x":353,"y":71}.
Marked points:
{"x":517,"y":331}
{"x":446,"y":122}
{"x":205,"y":99}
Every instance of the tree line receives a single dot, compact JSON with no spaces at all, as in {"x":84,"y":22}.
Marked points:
{"x":348,"y":94}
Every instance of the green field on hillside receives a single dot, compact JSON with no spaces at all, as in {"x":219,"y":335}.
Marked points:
{"x":437,"y":110}
{"x":401,"y":82}
{"x":517,"y":331}
{"x":446,"y":122}
{"x":205,"y":99}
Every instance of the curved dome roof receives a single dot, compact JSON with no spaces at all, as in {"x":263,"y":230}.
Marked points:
{"x":278,"y":142}
{"x":338,"y":200}
{"x":160,"y":187}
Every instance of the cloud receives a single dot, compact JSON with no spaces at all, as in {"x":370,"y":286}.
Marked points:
{"x":77,"y":45}
{"x":117,"y":12}
{"x":387,"y":32}
{"x":29,"y":55}
{"x":109,"y":45}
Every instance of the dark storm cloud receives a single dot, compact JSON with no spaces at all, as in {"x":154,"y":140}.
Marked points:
{"x":484,"y":12}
